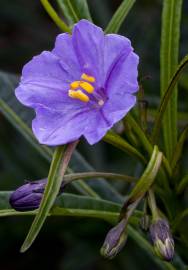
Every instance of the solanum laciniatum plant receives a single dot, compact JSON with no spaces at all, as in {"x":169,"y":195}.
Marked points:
{"x":89,"y":88}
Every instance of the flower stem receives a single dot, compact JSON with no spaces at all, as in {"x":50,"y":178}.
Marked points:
{"x":52,"y":13}
{"x":152,"y":204}
{"x":87,"y":175}
{"x":60,"y":161}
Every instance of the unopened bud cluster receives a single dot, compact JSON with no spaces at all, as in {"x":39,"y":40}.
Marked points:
{"x":162,"y":239}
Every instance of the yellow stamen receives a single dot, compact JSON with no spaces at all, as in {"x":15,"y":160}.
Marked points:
{"x":87,"y":87}
{"x":87,"y":78}
{"x":78,"y":95}
{"x":75,"y":84}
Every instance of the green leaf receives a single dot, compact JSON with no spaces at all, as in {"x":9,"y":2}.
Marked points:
{"x":120,"y":143}
{"x":142,"y":137}
{"x":144,"y":140}
{"x":74,"y":10}
{"x":182,"y":117}
{"x":4,"y":200}
{"x":68,"y":204}
{"x":179,"y":218}
{"x":183,"y":184}
{"x":72,"y":201}
{"x":69,"y":178}
{"x":69,"y":200}
{"x":171,"y":16}
{"x":54,"y":16}
{"x":83,"y":206}
{"x":166,"y":98}
{"x":179,"y":148}
{"x":58,"y":167}
{"x":148,"y":176}
{"x":119,"y":16}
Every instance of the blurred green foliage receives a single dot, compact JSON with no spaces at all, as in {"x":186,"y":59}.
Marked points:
{"x":73,"y":243}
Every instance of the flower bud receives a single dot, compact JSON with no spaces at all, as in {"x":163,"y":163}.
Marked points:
{"x":115,"y":240}
{"x":162,"y":239}
{"x":28,"y":196}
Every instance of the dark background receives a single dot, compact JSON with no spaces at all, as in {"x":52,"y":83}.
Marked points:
{"x":71,"y":243}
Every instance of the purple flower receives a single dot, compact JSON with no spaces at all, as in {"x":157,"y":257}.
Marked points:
{"x":82,"y":87}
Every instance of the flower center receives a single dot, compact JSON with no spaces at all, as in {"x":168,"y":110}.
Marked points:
{"x":81,"y":89}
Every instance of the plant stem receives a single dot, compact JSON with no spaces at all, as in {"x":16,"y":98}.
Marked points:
{"x":52,"y":13}
{"x":57,"y":170}
{"x":87,"y":175}
{"x":152,"y":204}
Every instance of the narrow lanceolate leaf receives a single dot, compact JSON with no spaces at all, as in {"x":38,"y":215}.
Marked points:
{"x":119,"y":16}
{"x":74,"y":10}
{"x":87,"y":175}
{"x":148,"y":176}
{"x":142,"y":186}
{"x":83,"y":206}
{"x":58,"y":167}
{"x":117,"y":141}
{"x":170,"y":33}
{"x":183,"y":184}
{"x":54,"y":16}
{"x":67,"y":204}
{"x":179,"y":219}
{"x":166,"y":98}
{"x":179,"y":147}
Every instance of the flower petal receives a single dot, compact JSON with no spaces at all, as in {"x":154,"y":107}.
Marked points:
{"x":65,"y":51}
{"x":56,"y":128}
{"x":88,"y":42}
{"x":44,"y":82}
{"x":123,"y":76}
{"x":118,"y":106}
{"x":115,"y":46}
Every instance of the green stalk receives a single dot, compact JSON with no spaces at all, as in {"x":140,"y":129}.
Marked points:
{"x":58,"y":167}
{"x":149,"y":148}
{"x":117,"y":141}
{"x":170,"y":33}
{"x":52,"y":13}
{"x":119,"y":16}
{"x":148,"y":177}
{"x":153,"y":205}
{"x":69,"y":178}
{"x":183,"y":184}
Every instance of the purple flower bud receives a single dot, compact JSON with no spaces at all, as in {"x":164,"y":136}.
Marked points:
{"x":115,"y":240}
{"x":28,"y":196}
{"x":162,"y":239}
